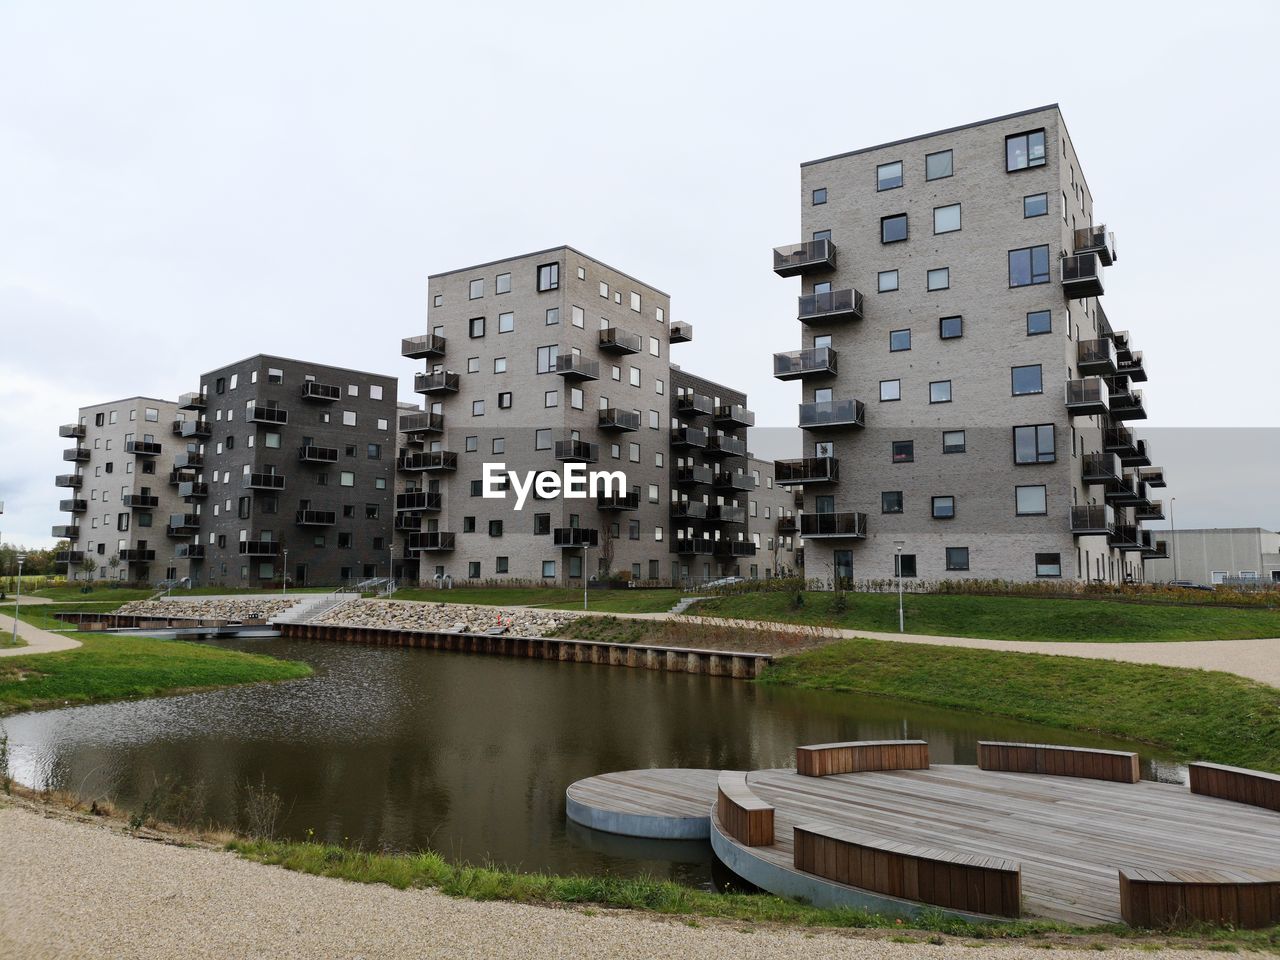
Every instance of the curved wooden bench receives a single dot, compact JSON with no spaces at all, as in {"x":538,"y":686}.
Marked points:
{"x":744,"y":816}
{"x":1058,"y":761}
{"x":1254,"y":787}
{"x":861,"y":756}
{"x":1161,"y":898}
{"x":943,"y":878}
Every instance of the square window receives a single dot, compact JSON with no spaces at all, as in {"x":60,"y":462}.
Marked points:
{"x":504,"y":400}
{"x":889,"y":175}
{"x":501,"y":564}
{"x":1027,"y":380}
{"x":1048,"y":564}
{"x":502,"y":283}
{"x":553,"y":316}
{"x":499,"y":445}
{"x":939,"y":278}
{"x":893,"y":229}
{"x":890,"y":389}
{"x":904,"y":565}
{"x":548,"y":277}
{"x":1034,"y":444}
{"x":891,"y":501}
{"x":946,"y":219}
{"x":477,"y":408}
{"x":899,"y":340}
{"x":476,"y":290}
{"x":957,"y":558}
{"x":1024,"y":150}
{"x":473,"y":569}
{"x":499,"y":364}
{"x":938,"y":165}
{"x":506,"y":322}
{"x":886,"y":280}
{"x":542,"y":439}
{"x":951,"y":328}
{"x":822,"y":235}
{"x":438,"y":300}
{"x":1036,"y":205}
{"x":473,"y":364}
{"x":940,"y":391}
{"x":1038,"y":322}
{"x":944,"y":508}
{"x":468,"y":524}
{"x":1029,"y":265}
{"x":953,"y":441}
{"x":904,"y":451}
{"x":819,"y":196}
{"x":541,"y":524}
{"x":495,"y":528}
{"x":476,"y":327}
{"x":471,"y":444}
{"x":551,"y":398}
{"x":1031,"y":500}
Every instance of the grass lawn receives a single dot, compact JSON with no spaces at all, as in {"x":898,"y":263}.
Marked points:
{"x":558,"y":598}
{"x":1003,"y":618}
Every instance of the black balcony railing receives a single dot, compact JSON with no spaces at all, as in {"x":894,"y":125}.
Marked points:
{"x":846,"y":525}
{"x":422,"y":423}
{"x":1152,"y":476}
{"x":73,"y":506}
{"x":788,"y":525}
{"x":577,"y":451}
{"x":190,"y":489}
{"x":823,"y":414}
{"x":436,"y":383}
{"x":688,"y":510}
{"x":1097,"y":239}
{"x":142,"y":448}
{"x":1092,"y":519}
{"x":735,"y":548}
{"x":804,"y":257}
{"x":194,"y":428}
{"x":1087,"y":397}
{"x":192,"y":401}
{"x":407,"y":521}
{"x":315,"y":518}
{"x":618,"y":501}
{"x":1082,"y":275}
{"x":1133,"y":367}
{"x":806,"y":470}
{"x":1127,"y":537}
{"x":188,"y":460}
{"x":1128,"y":406}
{"x":261,"y":413}
{"x":696,"y":475}
{"x":263,"y":481}
{"x":431,"y":460}
{"x":689,"y":437}
{"x":615,"y":340}
{"x":1151,"y":510}
{"x":73,"y":480}
{"x":681,"y":332}
{"x":723,"y":445}
{"x":734,"y":481}
{"x":734,"y":415}
{"x":694,"y":405}
{"x":611,"y":418}
{"x":259,"y":548}
{"x":69,"y":556}
{"x":138,"y":555}
{"x":77,"y":455}
{"x":310,"y":453}
{"x":569,"y":537}
{"x":727,"y":513}
{"x":321,"y":392}
{"x":140,"y":501}
{"x":817,"y":362}
{"x":419,"y":348}
{"x":1101,"y":468}
{"x":419,"y":501}
{"x":576,"y":368}
{"x":834,"y":305}
{"x":66,"y":531}
{"x":183,"y":524}
{"x":695,"y":545}
{"x":76,"y":430}
{"x":1096,"y":357}
{"x":189,"y":551}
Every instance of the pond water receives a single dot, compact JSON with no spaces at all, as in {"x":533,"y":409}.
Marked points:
{"x":467,"y":755}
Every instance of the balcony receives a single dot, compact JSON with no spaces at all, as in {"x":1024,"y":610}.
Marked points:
{"x":1132,"y":367}
{"x":1101,"y":469}
{"x":73,"y":480}
{"x":1096,"y":357}
{"x":1123,"y":348}
{"x":69,"y":556}
{"x":788,"y":525}
{"x":140,"y":501}
{"x":433,"y":461}
{"x":320,"y":392}
{"x":1152,"y":476}
{"x":573,"y":367}
{"x":407,"y":522}
{"x":188,"y":460}
{"x":77,"y":454}
{"x":681,"y":332}
{"x":689,"y":437}
{"x":1128,"y":493}
{"x":577,"y":451}
{"x":310,"y":453}
{"x":434,"y":384}
{"x":829,"y":414}
{"x":806,"y":470}
{"x":413,"y":423}
{"x":1097,"y":240}
{"x":1153,"y":549}
{"x":315,"y":518}
{"x":703,"y":546}
{"x":1151,"y":510}
{"x":192,"y":401}
{"x":1082,"y":276}
{"x":431,"y":541}
{"x":142,"y":448}
{"x":419,"y":501}
{"x":66,"y":531}
{"x":419,"y":348}
{"x":735,"y":548}
{"x":808,"y":257}
{"x":723,"y":445}
{"x":183,"y":524}
{"x":571,"y":537}
{"x":614,"y":340}
{"x":833,"y":526}
{"x":798,"y":364}
{"x":819,"y":308}
{"x":201,"y":429}
{"x":259,"y":548}
{"x":1087,"y":397}
{"x":1128,"y":406}
{"x":618,"y":501}
{"x":1126,"y":537}
{"x":734,"y":481}
{"x":1093,"y":519}
{"x":72,"y":430}
{"x":694,"y":405}
{"x":727,"y":513}
{"x":733,"y":415}
{"x":138,"y":556}
{"x":263,"y":481}
{"x":611,"y":418}
{"x":189,"y":551}
{"x":73,"y":506}
{"x":688,"y":510}
{"x":193,"y":489}
{"x":259,"y":413}
{"x":1138,"y":456}
{"x":694,"y":476}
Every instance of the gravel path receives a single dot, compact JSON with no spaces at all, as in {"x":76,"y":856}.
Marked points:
{"x":82,"y":890}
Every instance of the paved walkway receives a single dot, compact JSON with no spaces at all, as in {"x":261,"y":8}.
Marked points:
{"x":38,"y":641}
{"x":86,"y":890}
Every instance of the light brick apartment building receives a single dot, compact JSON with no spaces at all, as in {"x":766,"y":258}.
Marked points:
{"x":772,"y":518}
{"x":965,"y":399}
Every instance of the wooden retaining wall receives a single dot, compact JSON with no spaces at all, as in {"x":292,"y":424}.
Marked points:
{"x":861,"y":756}
{"x":1163,"y":898}
{"x":943,"y":878}
{"x":744,"y":816}
{"x":714,"y":663}
{"x":92,"y":621}
{"x":1253,"y":787}
{"x":1056,"y":761}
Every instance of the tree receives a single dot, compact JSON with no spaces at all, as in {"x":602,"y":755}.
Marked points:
{"x":88,"y":565}
{"x":606,"y":551}
{"x":113,"y":562}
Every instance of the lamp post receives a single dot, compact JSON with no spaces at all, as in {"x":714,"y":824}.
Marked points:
{"x":17,"y":600}
{"x":1173,"y":537}
{"x":898,"y":545}
{"x":284,"y":573}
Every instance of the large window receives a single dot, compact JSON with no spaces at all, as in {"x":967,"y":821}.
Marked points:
{"x":950,"y":328}
{"x":946,"y":219}
{"x":944,"y":508}
{"x":1036,"y":205}
{"x":957,"y":558}
{"x":542,"y":439}
{"x":1028,"y":266}
{"x":890,"y":389}
{"x":1034,"y":444}
{"x":904,"y":451}
{"x":1031,"y":500}
{"x":939,"y":278}
{"x":1028,"y":379}
{"x":938,"y":165}
{"x":1048,"y":564}
{"x":1024,"y":150}
{"x":891,"y":501}
{"x":889,"y":175}
{"x":548,"y":279}
{"x":899,"y":340}
{"x":953,"y":441}
{"x":904,"y":565}
{"x":547,"y":358}
{"x":506,"y":322}
{"x":1038,"y":322}
{"x":886,"y":280}
{"x":894,"y":228}
{"x":940,"y":391}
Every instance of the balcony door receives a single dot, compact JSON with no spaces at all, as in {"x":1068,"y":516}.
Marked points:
{"x":824,"y":504}
{"x":843,"y":561}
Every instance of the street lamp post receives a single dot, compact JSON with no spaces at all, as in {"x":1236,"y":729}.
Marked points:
{"x":17,"y":601}
{"x":1173,"y":537}
{"x":284,"y":573}
{"x":898,"y":545}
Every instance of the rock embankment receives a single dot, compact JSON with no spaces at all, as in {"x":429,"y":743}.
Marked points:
{"x":445,"y":617}
{"x":211,"y":608}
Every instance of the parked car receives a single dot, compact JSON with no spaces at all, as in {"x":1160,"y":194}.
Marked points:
{"x":1189,"y":585}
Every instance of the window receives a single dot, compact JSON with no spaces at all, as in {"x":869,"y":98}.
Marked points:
{"x":578,"y":317}
{"x":468,"y":524}
{"x":473,"y":364}
{"x":957,"y":558}
{"x":575,"y":398}
{"x":547,"y":358}
{"x":506,"y":322}
{"x":504,"y":400}
{"x":904,"y":451}
{"x":346,"y":479}
{"x":270,"y":439}
{"x":886,"y":280}
{"x":495,"y":528}
{"x":473,"y":570}
{"x":374,"y":451}
{"x":940,"y":391}
{"x":551,"y":398}
{"x":633,"y":452}
{"x":953,"y":441}
{"x":951,"y":328}
{"x":938,"y":165}
{"x":542,"y":439}
{"x":501,"y":564}
{"x":893,"y":229}
{"x":348,"y":418}
{"x":889,"y":175}
{"x":634,"y":373}
{"x":1036,"y":205}
{"x":944,"y":508}
{"x":548,"y":277}
{"x":274,"y":375}
{"x":553,"y":316}
{"x":476,"y":290}
{"x":655,"y":347}
{"x":604,"y":290}
{"x":890,"y":390}
{"x":1024,"y":150}
{"x":1034,"y":444}
{"x":476,"y":328}
{"x":1031,"y":500}
{"x":476,"y":488}
{"x":822,"y":235}
{"x":899,"y":340}
{"x":502,"y":283}
{"x":653,"y":493}
{"x":499,"y":364}
{"x":891,"y":501}
{"x":659,"y":386}
{"x":946,"y":219}
{"x":1048,"y":564}
{"x":438,"y":300}
{"x":904,"y":565}
{"x":819,"y":196}
{"x":1028,"y":266}
{"x":1038,"y":322}
{"x":477,"y":408}
{"x":499,"y":445}
{"x":939,"y":278}
{"x":635,"y":301}
{"x":1027,"y":379}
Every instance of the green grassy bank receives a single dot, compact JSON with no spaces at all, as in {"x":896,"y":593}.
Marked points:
{"x":557,"y":598}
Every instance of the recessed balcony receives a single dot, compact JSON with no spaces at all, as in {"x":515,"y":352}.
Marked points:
{"x":420,"y":423}
{"x":320,"y":392}
{"x":73,"y":480}
{"x":1087,"y":397}
{"x":138,"y":555}
{"x":1082,"y":276}
{"x":1132,"y":367}
{"x":806,"y":470}
{"x":722,"y":445}
{"x":66,"y":531}
{"x":1151,"y":510}
{"x":1096,"y":357}
{"x":140,"y":501}
{"x":263,"y":481}
{"x":688,"y":510}
{"x":431,"y":541}
{"x":734,"y":481}
{"x":259,"y":548}
{"x":1152,"y":476}
{"x":72,"y":430}
{"x":419,"y":501}
{"x":618,"y":501}
{"x":611,"y":418}
{"x":798,"y":364}
{"x":432,"y":461}
{"x":573,"y":367}
{"x":69,"y":556}
{"x":192,"y":401}
{"x":694,"y":405}
{"x":570,"y":537}
{"x":830,"y":414}
{"x":1098,"y":240}
{"x":1092,"y":519}
{"x":260,"y":413}
{"x":577,"y":451}
{"x":1126,"y":537}
{"x":733,"y":415}
{"x":808,"y":257}
{"x":694,"y":476}
{"x":73,"y":506}
{"x":142,"y":448}
{"x":615,"y":340}
{"x":193,"y":489}
{"x":689,"y":437}
{"x":315,"y":518}
{"x":681,"y":332}
{"x":819,"y":308}
{"x":1101,"y":469}
{"x":694,"y":546}
{"x":420,"y":348}
{"x":1128,"y":406}
{"x":834,"y":526}
{"x":189,"y":551}
{"x":77,"y":454}
{"x":310,"y":453}
{"x":435,"y":384}
{"x":201,"y":429}
{"x":183,"y":524}
{"x":735,"y":548}
{"x":727,"y":513}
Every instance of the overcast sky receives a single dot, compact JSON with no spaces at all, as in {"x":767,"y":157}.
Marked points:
{"x":182,"y":185}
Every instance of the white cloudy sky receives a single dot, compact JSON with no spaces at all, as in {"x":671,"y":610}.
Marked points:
{"x":182,"y":184}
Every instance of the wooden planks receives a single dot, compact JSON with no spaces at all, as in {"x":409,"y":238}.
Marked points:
{"x":859,"y":756}
{"x":1254,"y":787}
{"x":943,"y":878}
{"x":1058,"y":761}
{"x":744,"y":816}
{"x":1162,"y":898}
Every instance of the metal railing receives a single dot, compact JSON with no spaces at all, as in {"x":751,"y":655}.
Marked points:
{"x":841,"y":524}
{"x":835,"y":303}
{"x":832,"y":413}
{"x":803,"y":363}
{"x":798,"y":257}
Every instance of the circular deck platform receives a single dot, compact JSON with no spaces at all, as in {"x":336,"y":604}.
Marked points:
{"x":657,"y":804}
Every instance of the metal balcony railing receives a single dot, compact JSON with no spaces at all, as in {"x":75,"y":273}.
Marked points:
{"x":419,"y":501}
{"x":1096,"y":357}
{"x":846,"y":525}
{"x":1092,"y":519}
{"x":681,"y":332}
{"x":1097,"y":239}
{"x":804,"y":257}
{"x":76,"y":430}
{"x":688,"y":510}
{"x":833,"y":305}
{"x":1082,"y":275}
{"x":611,"y":418}
{"x":694,"y":404}
{"x":735,"y":415}
{"x":422,"y":423}
{"x":576,"y":368}
{"x":577,"y":451}
{"x":615,"y":340}
{"x":822,"y":414}
{"x":570,"y":537}
{"x":419,"y":348}
{"x":322,"y":392}
{"x":1087,"y":397}
{"x":806,"y":470}
{"x":816,"y":362}
{"x":435,"y":383}
{"x":310,"y":453}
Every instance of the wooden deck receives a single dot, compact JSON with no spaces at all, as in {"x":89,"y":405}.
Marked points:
{"x":657,"y":803}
